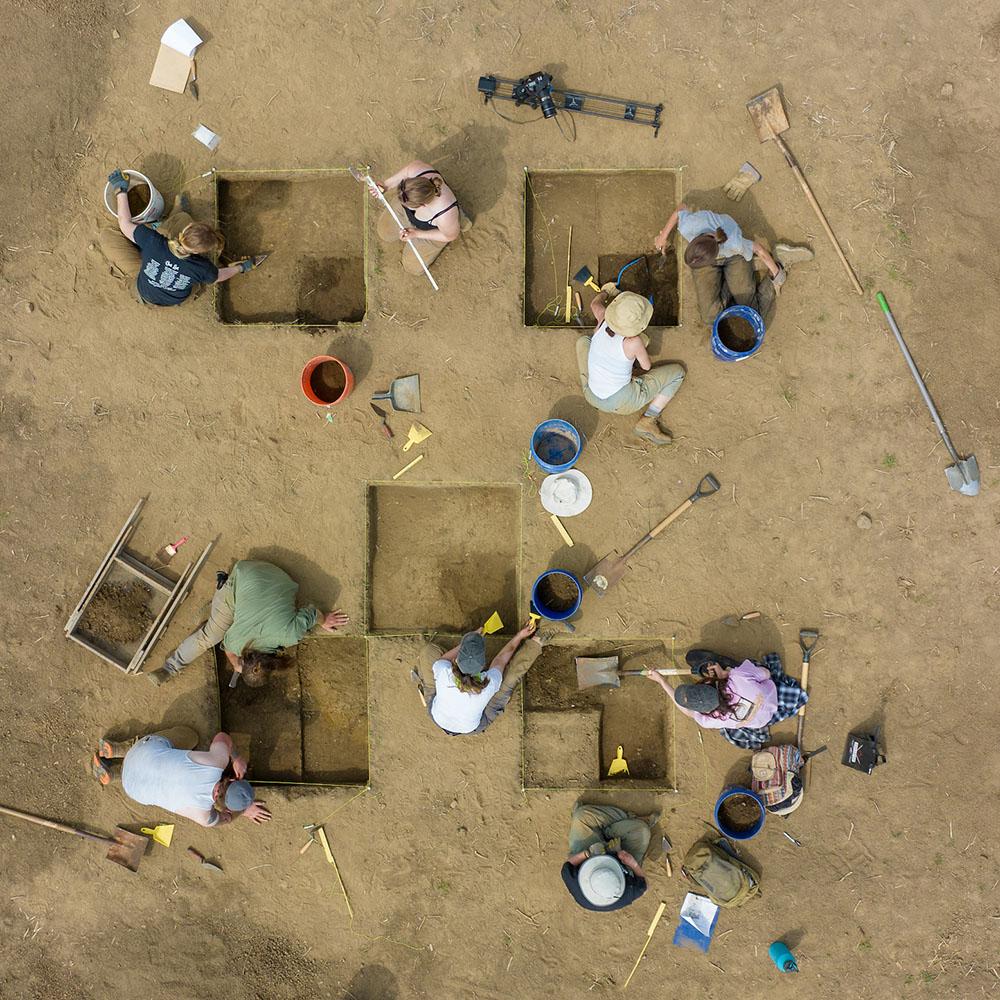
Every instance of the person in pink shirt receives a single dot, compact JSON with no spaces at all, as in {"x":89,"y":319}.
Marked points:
{"x":732,"y":696}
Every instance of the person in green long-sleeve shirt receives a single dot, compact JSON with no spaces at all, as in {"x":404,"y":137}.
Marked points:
{"x":255,"y":617}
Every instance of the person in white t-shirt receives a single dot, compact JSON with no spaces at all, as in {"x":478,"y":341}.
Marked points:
{"x":606,"y":363}
{"x":465,"y":696}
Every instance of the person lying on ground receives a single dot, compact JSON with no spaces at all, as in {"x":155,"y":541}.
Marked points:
{"x":255,"y":617}
{"x":163,"y":769}
{"x":166,"y":258}
{"x":720,"y":257}
{"x":435,"y":217}
{"x":606,"y":846}
{"x":743,"y":700}
{"x":606,"y":362}
{"x":463,"y":695}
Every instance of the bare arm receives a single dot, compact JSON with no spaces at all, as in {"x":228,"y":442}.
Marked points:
{"x":599,"y":307}
{"x":762,"y":254}
{"x":636,"y":350}
{"x":125,"y":223}
{"x":225,"y":273}
{"x":219,"y":754}
{"x":578,"y":858}
{"x":664,"y":234}
{"x":631,"y":864}
{"x":502,"y":658}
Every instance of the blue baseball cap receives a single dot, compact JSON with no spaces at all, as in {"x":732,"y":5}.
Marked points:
{"x":239,"y":796}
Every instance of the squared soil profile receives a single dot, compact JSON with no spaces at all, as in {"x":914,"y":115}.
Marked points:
{"x":312,"y":224}
{"x":442,"y":558}
{"x":309,"y":724}
{"x":570,"y":736}
{"x":614,"y":215}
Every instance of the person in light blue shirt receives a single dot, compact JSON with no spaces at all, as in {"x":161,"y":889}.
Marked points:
{"x":721,"y":261}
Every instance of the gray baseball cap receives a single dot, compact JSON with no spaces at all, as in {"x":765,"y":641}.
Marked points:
{"x":472,"y":654}
{"x":697,"y":697}
{"x":239,"y":796}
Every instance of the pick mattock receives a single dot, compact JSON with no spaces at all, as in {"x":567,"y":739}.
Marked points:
{"x":770,"y":120}
{"x":365,"y":177}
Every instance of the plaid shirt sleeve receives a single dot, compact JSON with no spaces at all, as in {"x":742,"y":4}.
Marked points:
{"x":791,"y":698}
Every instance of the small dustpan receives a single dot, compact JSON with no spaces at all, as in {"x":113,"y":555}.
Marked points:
{"x":417,"y":433}
{"x":492,"y":624}
{"x":592,"y":671}
{"x":767,"y":111}
{"x":162,"y":833}
{"x":403,"y":393}
{"x":619,"y":765}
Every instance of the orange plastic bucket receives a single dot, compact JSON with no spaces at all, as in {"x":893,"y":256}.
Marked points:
{"x":326,"y":380}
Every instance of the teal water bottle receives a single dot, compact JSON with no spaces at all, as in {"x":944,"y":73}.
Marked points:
{"x":782,"y":957}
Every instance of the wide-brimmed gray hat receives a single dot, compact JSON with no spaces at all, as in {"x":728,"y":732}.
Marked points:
{"x":601,"y":880}
{"x":472,"y":654}
{"x":697,"y":697}
{"x":239,"y":796}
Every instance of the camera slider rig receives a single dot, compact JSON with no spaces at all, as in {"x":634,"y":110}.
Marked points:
{"x":536,"y":91}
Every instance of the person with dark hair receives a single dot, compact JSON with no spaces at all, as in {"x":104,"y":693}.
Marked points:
{"x":743,"y":699}
{"x":720,"y":257}
{"x":167,"y":259}
{"x":431,"y":208}
{"x":163,"y":769}
{"x":464,"y":695}
{"x":255,"y":617}
{"x":606,"y":847}
{"x":606,"y":362}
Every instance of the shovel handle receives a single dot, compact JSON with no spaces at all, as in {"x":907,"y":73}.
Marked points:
{"x":53,"y":825}
{"x":807,"y":190}
{"x":669,"y":519}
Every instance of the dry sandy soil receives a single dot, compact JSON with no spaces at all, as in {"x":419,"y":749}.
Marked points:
{"x":452,"y":870}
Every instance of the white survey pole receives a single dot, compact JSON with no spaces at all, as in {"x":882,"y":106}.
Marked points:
{"x":366,"y":178}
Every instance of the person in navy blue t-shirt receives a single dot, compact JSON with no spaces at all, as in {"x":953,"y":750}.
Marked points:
{"x":168,"y":261}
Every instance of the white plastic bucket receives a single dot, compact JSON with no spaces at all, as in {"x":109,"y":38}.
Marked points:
{"x":152,"y":211}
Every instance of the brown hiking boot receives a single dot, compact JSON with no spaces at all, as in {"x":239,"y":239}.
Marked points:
{"x":648,"y":429}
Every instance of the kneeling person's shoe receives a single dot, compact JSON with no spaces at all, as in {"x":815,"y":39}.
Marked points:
{"x":790,"y":253}
{"x":649,"y":430}
{"x":159,"y":677}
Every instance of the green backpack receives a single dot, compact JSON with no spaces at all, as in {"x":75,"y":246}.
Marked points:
{"x":725,"y":879}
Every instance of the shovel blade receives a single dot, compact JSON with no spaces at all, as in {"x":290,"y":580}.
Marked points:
{"x":128,"y":849}
{"x":767,"y":112}
{"x":595,"y":671}
{"x":606,"y":573}
{"x":963,"y":476}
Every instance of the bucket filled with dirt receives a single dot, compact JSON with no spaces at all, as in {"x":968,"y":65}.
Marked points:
{"x":145,"y":203}
{"x":737,"y":333}
{"x":326,"y":380}
{"x":556,"y":445}
{"x":739,"y":813}
{"x":556,"y":595}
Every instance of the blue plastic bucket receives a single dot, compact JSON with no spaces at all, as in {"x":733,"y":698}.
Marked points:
{"x":727,"y":830}
{"x":540,"y":604}
{"x":556,"y":445}
{"x":730,"y":351}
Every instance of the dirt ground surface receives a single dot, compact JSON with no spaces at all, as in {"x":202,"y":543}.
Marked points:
{"x":452,"y":870}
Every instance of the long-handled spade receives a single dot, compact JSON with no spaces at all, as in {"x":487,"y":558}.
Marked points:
{"x":602,"y":577}
{"x":124,"y":848}
{"x":808,"y":637}
{"x":963,"y":476}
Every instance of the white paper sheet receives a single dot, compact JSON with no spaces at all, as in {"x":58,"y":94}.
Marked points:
{"x":206,"y":137}
{"x":699,"y":911}
{"x":181,"y":37}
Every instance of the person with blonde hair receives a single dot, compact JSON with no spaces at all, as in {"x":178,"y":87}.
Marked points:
{"x":432,"y":213}
{"x":168,"y":259}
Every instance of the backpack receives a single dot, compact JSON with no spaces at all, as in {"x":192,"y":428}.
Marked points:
{"x":775,"y":778}
{"x":712,"y":867}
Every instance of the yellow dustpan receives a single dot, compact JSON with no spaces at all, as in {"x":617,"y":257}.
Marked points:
{"x":161,"y":833}
{"x":619,"y":765}
{"x":416,"y":434}
{"x":492,"y":624}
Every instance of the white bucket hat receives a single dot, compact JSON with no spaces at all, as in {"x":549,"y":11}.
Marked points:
{"x":566,"y":493}
{"x":601,"y":880}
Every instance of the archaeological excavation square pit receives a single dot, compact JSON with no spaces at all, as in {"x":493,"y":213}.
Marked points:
{"x":615,"y":215}
{"x":442,"y":557}
{"x":309,"y":724}
{"x":570,"y":736}
{"x":312,"y":222}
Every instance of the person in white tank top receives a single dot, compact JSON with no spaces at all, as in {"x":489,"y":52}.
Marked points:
{"x":607,"y":358}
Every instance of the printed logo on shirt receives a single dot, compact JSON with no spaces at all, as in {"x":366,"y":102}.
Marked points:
{"x":171,"y":278}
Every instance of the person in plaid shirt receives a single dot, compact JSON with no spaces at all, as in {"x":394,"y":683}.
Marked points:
{"x":742,"y":700}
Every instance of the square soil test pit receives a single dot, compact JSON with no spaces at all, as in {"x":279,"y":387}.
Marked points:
{"x":313,"y":222}
{"x":614,"y":215}
{"x":309,"y":724}
{"x":570,"y":736}
{"x":442,"y":557}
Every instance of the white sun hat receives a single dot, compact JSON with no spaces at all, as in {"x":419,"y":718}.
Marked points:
{"x":602,"y":880}
{"x":566,"y":493}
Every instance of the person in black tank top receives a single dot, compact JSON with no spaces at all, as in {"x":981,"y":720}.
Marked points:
{"x":434,"y":218}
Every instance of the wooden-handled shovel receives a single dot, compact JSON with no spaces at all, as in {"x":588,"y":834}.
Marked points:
{"x":808,"y":637}
{"x":770,"y":120}
{"x":602,"y":577}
